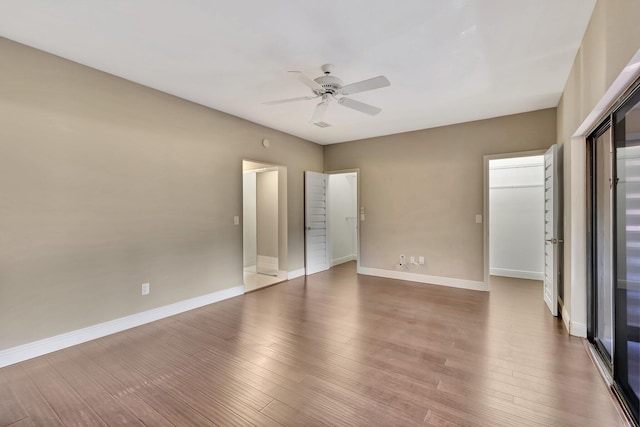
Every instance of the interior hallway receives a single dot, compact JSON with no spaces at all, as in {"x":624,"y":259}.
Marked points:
{"x":332,"y":349}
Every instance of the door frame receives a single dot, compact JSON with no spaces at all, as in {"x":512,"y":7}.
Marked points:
{"x":615,"y":368}
{"x":358,"y":217}
{"x":283,"y":215}
{"x":485,"y":213}
{"x":605,"y":126}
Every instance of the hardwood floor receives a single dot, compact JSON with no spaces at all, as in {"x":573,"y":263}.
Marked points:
{"x":334,"y":349}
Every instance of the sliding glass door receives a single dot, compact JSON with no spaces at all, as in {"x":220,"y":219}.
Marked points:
{"x":627,"y":272}
{"x":614,"y":235}
{"x":602,"y":241}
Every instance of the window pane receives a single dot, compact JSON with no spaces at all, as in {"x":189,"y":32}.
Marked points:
{"x":603,"y":238}
{"x":627,"y":349}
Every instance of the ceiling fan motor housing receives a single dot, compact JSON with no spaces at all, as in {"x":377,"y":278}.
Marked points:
{"x":329,"y":83}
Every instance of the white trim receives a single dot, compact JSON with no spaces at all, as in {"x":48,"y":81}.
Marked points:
{"x":510,"y":187}
{"x":250,"y":268}
{"x":619,"y":86}
{"x":68,"y":339}
{"x":262,"y":169}
{"x":268,"y":262}
{"x":296,"y":273}
{"x":566,"y":318}
{"x":343,"y":259}
{"x":573,"y":328}
{"x":424,"y":278}
{"x":578,"y":329}
{"x":518,"y":274}
{"x":518,"y":166}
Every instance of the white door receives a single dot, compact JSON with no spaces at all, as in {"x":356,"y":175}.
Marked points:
{"x":315,"y":221}
{"x":552,"y":239}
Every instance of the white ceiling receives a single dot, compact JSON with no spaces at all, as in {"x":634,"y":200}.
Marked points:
{"x":449,"y":61}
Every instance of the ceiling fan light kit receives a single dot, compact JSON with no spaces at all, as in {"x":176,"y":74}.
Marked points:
{"x":328,"y":87}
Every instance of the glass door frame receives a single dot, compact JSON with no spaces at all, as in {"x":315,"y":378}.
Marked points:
{"x":618,"y":366}
{"x":621,"y":383}
{"x":592,"y":285}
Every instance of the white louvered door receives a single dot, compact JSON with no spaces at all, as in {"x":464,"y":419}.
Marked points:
{"x":316,"y":223}
{"x":551,"y":238}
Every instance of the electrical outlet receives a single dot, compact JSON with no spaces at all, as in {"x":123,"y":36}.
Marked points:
{"x":412,"y":260}
{"x":401,"y":259}
{"x":421,"y":260}
{"x":145,"y":289}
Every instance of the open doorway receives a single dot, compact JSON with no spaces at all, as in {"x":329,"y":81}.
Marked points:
{"x":343,"y":217}
{"x":516,"y":217}
{"x":331,"y":219}
{"x":264,"y":220}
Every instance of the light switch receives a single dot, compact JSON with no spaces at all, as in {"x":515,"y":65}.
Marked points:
{"x":361,"y":217}
{"x":478,"y":219}
{"x":236,"y":220}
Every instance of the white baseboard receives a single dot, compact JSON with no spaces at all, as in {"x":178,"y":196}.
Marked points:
{"x":574,"y":328}
{"x":58,"y":342}
{"x":343,"y":259}
{"x":268,"y":262}
{"x":518,"y":274}
{"x":424,"y":278}
{"x":296,"y":273}
{"x":578,"y":329}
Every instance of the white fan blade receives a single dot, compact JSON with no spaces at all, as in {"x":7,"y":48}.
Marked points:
{"x":307,"y":81}
{"x":283,"y":101}
{"x":359,"y":106}
{"x":318,"y":114}
{"x":370,"y":84}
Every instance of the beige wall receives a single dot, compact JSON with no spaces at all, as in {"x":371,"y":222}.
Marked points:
{"x":267,"y":213}
{"x":105,"y":184}
{"x":421,"y":190}
{"x":611,"y":40}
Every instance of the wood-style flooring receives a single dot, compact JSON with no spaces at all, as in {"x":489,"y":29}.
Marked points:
{"x":330,"y":349}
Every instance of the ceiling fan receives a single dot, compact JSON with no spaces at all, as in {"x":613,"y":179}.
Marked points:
{"x":329,"y":87}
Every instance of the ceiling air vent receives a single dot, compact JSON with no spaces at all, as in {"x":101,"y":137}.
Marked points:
{"x":322,"y":124}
